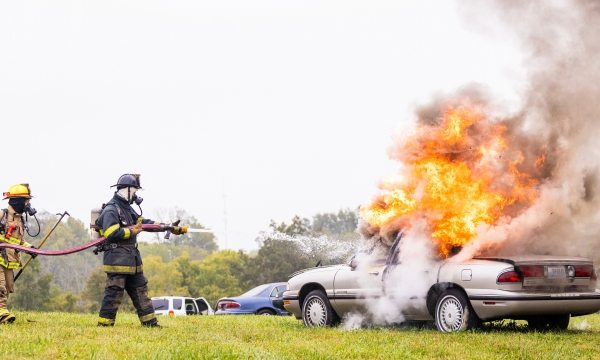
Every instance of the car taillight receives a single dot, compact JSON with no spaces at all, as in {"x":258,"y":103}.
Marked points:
{"x":584,"y":271}
{"x":171,"y":313}
{"x":509,"y":277}
{"x":223,"y":305}
{"x":532,"y":270}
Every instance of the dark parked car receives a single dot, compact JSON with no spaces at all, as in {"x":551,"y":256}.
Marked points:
{"x":260,"y":301}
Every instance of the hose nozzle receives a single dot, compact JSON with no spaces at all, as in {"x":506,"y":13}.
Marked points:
{"x":177,"y":230}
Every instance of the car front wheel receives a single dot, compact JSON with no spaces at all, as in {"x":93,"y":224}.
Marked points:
{"x":453,"y":312}
{"x":317,"y":311}
{"x":265,"y":312}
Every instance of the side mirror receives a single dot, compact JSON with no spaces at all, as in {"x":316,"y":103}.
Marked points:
{"x":353,"y":263}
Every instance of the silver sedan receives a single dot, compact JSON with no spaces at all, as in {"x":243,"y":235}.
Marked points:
{"x":544,"y":290}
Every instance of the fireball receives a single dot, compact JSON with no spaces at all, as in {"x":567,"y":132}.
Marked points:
{"x":459,"y":174}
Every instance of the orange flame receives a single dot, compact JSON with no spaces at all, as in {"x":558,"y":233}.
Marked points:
{"x":460,"y":175}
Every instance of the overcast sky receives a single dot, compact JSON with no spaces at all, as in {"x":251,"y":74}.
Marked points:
{"x":285,"y":107}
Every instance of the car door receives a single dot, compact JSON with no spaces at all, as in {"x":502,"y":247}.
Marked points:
{"x":190,"y":307}
{"x":356,"y":284}
{"x":275,"y":297}
{"x":412,"y":305}
{"x":203,"y":307}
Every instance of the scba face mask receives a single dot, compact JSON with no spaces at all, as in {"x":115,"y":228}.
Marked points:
{"x":30,"y":210}
{"x":137,"y":199}
{"x":22,"y":205}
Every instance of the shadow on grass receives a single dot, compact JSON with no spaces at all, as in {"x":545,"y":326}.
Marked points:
{"x":507,"y":326}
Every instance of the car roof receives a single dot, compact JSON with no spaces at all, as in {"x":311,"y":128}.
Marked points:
{"x":171,"y":297}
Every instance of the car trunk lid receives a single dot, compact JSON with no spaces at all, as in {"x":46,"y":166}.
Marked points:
{"x":552,"y":273}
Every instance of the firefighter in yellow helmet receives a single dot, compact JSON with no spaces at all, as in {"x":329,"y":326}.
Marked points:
{"x":12,"y":230}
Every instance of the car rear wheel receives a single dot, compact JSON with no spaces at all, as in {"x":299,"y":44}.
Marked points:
{"x":549,"y":322}
{"x":317,"y":311}
{"x":266,"y":312}
{"x":454,"y":312}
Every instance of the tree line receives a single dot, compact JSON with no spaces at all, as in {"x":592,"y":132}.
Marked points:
{"x":187,"y":265}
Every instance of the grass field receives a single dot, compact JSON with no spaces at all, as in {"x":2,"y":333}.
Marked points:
{"x":68,"y":336}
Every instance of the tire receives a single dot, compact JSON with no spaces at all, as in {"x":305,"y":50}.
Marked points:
{"x":549,"y":322}
{"x":265,"y":312}
{"x":453,"y":312}
{"x":317,"y":310}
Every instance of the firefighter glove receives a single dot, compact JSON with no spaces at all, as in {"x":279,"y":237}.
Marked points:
{"x":136,"y":229}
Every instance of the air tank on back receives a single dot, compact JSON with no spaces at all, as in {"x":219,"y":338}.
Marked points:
{"x":94,"y":234}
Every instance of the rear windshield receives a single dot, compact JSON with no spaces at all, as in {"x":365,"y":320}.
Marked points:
{"x":257,"y":290}
{"x":160,"y":304}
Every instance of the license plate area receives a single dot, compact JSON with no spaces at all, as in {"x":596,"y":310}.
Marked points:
{"x":556,"y":272}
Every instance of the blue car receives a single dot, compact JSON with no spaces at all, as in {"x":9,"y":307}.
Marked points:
{"x":257,"y":301}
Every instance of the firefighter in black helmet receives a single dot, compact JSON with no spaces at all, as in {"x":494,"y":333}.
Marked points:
{"x":122,"y":260}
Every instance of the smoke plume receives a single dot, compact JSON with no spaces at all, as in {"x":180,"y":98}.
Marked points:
{"x":551,"y":142}
{"x":560,"y":120}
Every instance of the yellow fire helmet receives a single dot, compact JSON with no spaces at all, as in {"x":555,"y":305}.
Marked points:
{"x":18,"y":190}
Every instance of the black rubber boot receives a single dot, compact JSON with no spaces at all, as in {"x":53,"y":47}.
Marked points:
{"x":152,"y":323}
{"x":100,"y":324}
{"x":7,"y":318}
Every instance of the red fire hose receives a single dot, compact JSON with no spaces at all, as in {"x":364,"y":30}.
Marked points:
{"x":53,"y":252}
{"x":148,"y":227}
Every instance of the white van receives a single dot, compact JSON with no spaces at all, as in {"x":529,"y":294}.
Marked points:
{"x":181,"y":305}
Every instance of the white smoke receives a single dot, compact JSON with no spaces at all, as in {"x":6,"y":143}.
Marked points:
{"x":584,"y":325}
{"x":328,"y":248}
{"x":405,"y":285}
{"x":353,"y":321}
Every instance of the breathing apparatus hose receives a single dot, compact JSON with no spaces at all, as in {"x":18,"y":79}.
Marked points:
{"x":38,"y":224}
{"x":100,"y":240}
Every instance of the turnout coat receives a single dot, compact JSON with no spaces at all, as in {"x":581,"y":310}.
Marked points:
{"x":121,"y":255}
{"x":11,"y":258}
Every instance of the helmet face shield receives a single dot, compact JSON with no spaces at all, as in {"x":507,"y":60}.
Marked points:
{"x":128,"y":193}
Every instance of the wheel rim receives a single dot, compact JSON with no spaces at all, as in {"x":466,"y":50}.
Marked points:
{"x":450,"y":315}
{"x":315,"y":312}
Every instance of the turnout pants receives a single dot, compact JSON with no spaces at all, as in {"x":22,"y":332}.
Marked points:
{"x":136,"y":287}
{"x":7,"y":286}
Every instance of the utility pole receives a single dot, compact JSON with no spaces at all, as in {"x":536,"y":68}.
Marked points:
{"x":225,"y":218}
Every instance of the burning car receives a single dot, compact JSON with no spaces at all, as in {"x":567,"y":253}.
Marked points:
{"x":543,"y":290}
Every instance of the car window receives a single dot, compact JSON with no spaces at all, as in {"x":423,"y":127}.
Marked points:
{"x":256,"y":291}
{"x":394,"y":257}
{"x":202,"y":305}
{"x":160,"y":304}
{"x":369,"y":259}
{"x":190,"y":309}
{"x":274,"y":292}
{"x":177,"y":304}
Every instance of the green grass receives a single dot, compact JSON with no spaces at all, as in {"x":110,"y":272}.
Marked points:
{"x":67,"y":336}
